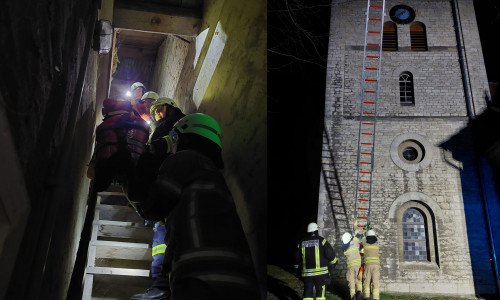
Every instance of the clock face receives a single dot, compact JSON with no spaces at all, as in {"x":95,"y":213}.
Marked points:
{"x":402,"y":14}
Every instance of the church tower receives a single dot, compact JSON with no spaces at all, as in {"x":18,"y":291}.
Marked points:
{"x":427,"y":201}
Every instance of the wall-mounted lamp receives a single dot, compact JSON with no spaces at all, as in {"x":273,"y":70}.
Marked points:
{"x":103,"y":37}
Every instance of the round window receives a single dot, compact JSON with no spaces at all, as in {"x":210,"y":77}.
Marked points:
{"x":411,"y":151}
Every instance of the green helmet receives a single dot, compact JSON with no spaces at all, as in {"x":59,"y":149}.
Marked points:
{"x":200,"y":124}
{"x":150,"y":95}
{"x":161,"y":101}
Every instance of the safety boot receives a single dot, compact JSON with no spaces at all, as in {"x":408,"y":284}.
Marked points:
{"x":359,"y":295}
{"x":153,"y":294}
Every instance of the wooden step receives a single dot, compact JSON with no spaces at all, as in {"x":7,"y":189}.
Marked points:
{"x":128,"y":230}
{"x":117,"y":271}
{"x":118,"y":287}
{"x":121,"y":250}
{"x":118,"y":213}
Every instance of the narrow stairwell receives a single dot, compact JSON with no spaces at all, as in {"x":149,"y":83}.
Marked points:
{"x":119,"y":255}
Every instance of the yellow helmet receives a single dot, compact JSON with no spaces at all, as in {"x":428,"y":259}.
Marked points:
{"x":161,"y":101}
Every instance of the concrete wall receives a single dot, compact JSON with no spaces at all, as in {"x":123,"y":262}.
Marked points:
{"x":438,"y":117}
{"x":169,"y":62}
{"x":43,"y":52}
{"x":229,"y":83}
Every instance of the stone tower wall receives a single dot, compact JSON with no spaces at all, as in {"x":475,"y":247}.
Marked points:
{"x":439,"y":116}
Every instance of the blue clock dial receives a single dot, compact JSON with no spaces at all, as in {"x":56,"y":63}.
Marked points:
{"x":402,"y":14}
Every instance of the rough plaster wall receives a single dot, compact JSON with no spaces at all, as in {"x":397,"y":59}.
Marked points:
{"x":236,"y":99}
{"x":169,"y":63}
{"x":41,"y":59}
{"x":439,"y":115}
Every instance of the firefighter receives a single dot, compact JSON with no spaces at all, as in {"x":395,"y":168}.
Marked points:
{"x":315,"y":260}
{"x":350,"y":246}
{"x":164,"y":114}
{"x":207,"y":255}
{"x":138,"y":90}
{"x":371,"y":274}
{"x":148,"y":98}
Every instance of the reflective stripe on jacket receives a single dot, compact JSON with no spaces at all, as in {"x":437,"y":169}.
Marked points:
{"x":314,"y":255}
{"x":371,"y":253}
{"x":352,"y":252}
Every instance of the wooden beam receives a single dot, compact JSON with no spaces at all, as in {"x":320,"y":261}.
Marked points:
{"x":156,"y":22}
{"x":191,"y":8}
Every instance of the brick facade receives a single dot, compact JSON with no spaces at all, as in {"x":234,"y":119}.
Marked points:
{"x":439,"y":117}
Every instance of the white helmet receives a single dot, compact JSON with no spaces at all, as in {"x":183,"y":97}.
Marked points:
{"x":346,"y":238}
{"x":150,"y":95}
{"x":312,"y":227}
{"x":136,"y":85}
{"x":370,"y":233}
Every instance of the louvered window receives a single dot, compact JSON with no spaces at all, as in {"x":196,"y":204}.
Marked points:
{"x":418,"y":37}
{"x":406,"y":89}
{"x":390,"y":37}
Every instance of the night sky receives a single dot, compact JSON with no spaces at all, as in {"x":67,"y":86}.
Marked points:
{"x":297,"y":50}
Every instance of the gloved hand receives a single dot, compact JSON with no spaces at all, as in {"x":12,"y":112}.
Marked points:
{"x":162,"y":146}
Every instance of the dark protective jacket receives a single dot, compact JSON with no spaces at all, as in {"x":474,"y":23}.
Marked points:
{"x":314,"y":255}
{"x":205,"y":241}
{"x":159,"y":145}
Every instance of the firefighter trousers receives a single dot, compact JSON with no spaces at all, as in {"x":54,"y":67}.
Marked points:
{"x":353,"y":281}
{"x":371,"y":277}
{"x":318,"y":282}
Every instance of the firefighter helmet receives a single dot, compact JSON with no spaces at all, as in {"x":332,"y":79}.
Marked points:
{"x":346,"y":238}
{"x":150,"y":95}
{"x":370,"y":233}
{"x":312,"y":227}
{"x":200,"y":124}
{"x":137,"y":85}
{"x":161,"y":101}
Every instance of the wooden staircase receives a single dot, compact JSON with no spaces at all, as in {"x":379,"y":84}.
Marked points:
{"x":119,"y":254}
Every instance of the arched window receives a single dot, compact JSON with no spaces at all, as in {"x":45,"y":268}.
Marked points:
{"x":406,"y":89}
{"x":418,"y":37}
{"x":390,"y":37}
{"x":415,"y":238}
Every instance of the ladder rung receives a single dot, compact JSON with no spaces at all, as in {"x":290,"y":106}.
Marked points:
{"x":364,"y":181}
{"x":366,"y":153}
{"x":364,"y":172}
{"x":363,"y":199}
{"x":362,"y":208}
{"x":367,"y":113}
{"x":367,"y":123}
{"x":366,"y":163}
{"x":373,"y":45}
{"x":369,"y":91}
{"x":369,"y":102}
{"x":379,"y":6}
{"x":360,"y":225}
{"x":368,"y":144}
{"x":375,"y":19}
{"x":367,"y":133}
{"x":362,"y":218}
{"x":364,"y":191}
{"x":371,"y":80}
{"x":374,"y":32}
{"x":371,"y":56}
{"x":371,"y":68}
